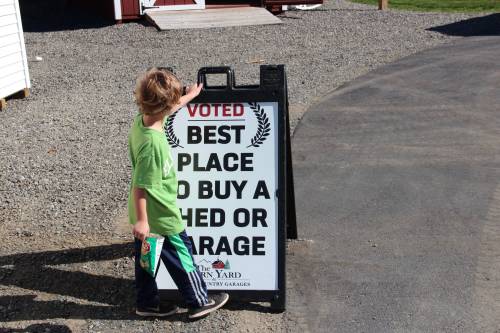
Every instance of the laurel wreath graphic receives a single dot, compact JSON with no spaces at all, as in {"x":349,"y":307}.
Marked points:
{"x":264,"y":127}
{"x":172,"y":139}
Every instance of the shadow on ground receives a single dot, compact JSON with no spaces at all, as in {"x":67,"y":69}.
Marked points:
{"x":38,"y":328}
{"x":39,"y":272}
{"x":488,"y":25}
{"x":57,"y":15}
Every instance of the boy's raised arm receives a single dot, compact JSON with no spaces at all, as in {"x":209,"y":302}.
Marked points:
{"x":191,"y":92}
{"x":141,"y":227}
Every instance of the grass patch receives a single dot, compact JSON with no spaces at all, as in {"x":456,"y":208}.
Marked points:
{"x":441,"y":5}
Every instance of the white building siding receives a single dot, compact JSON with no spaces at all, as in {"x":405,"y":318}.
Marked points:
{"x":14,"y":74}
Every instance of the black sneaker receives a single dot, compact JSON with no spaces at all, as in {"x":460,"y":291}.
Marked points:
{"x":161,"y":311}
{"x":214,"y":302}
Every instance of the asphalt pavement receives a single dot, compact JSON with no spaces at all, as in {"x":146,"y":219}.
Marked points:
{"x":397,"y":178}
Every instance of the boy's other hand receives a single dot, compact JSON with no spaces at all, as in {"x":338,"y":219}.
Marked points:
{"x":141,"y":230}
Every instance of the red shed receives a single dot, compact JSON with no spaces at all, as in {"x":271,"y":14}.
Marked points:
{"x":133,"y":9}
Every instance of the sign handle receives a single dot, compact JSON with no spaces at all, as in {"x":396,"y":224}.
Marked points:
{"x":202,"y":77}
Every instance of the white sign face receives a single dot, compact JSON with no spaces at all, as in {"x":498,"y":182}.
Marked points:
{"x":226,"y":158}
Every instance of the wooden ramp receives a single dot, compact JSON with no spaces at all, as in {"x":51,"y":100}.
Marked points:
{"x":211,"y":18}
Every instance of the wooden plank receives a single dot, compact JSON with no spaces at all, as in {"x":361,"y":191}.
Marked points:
{"x":291,"y":2}
{"x":219,"y":6}
{"x":174,"y":2}
{"x":3,"y":104}
{"x":383,"y":4}
{"x":176,"y":8}
{"x":210,"y":18}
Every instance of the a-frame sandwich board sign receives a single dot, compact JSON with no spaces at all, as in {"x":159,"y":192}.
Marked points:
{"x":231,"y":150}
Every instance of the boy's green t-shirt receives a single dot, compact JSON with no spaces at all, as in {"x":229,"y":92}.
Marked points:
{"x":153,"y":171}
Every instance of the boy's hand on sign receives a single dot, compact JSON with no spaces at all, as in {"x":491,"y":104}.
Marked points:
{"x":194,"y":90}
{"x":141,"y":230}
{"x":191,"y":92}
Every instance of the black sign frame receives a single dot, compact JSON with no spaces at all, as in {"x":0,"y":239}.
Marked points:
{"x":271,"y":88}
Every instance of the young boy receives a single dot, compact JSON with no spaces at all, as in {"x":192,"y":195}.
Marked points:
{"x":153,"y":194}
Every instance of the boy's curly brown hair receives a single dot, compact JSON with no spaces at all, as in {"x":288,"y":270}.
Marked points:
{"x":157,"y":90}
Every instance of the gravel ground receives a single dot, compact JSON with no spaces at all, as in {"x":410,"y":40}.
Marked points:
{"x":64,"y":171}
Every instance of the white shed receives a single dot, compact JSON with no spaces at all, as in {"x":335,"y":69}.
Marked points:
{"x":14,"y":75}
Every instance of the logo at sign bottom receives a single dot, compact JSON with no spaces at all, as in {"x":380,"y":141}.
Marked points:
{"x":218,"y":274}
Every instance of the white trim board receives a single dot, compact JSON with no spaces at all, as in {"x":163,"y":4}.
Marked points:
{"x":118,"y":9}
